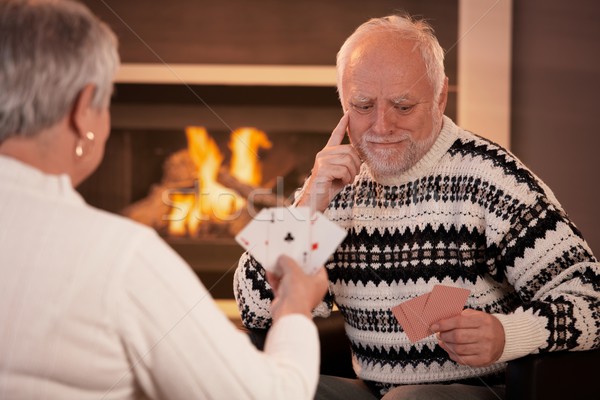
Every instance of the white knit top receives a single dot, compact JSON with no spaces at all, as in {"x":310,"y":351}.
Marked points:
{"x":94,"y":306}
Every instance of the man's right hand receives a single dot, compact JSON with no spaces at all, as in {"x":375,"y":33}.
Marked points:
{"x":295,"y":291}
{"x":335,"y":167}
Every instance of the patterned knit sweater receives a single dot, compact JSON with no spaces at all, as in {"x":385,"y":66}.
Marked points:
{"x":470,"y":215}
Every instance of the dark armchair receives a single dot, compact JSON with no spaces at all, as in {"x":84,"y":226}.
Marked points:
{"x":560,"y":375}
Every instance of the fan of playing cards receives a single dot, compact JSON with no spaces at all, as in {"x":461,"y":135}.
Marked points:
{"x":416,"y":315}
{"x":309,"y":238}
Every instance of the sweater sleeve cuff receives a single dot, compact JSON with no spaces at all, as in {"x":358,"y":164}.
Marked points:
{"x":296,"y":336}
{"x":296,"y":325}
{"x":523,"y":334}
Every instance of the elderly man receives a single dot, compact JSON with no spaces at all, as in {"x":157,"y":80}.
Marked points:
{"x":425,"y":202}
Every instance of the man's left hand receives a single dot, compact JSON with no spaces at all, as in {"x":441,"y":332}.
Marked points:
{"x":473,"y":338}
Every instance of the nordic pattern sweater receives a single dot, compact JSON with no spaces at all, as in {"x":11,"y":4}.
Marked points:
{"x":468,"y":214}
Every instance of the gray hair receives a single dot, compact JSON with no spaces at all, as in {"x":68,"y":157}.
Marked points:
{"x":406,"y":28}
{"x":49,"y":51}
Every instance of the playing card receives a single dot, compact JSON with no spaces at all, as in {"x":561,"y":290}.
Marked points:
{"x":418,"y":314}
{"x":287,"y":233}
{"x":444,"y":302}
{"x":310,"y":240}
{"x":325,"y":237}
{"x":253,"y":237}
{"x":410,"y":316}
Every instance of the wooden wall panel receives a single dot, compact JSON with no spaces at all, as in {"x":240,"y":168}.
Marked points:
{"x":257,"y":32}
{"x":556,"y":82}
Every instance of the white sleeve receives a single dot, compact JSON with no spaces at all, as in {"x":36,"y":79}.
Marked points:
{"x":181,"y":346}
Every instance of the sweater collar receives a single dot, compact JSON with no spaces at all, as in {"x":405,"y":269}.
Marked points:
{"x":445,"y":139}
{"x":19,"y":174}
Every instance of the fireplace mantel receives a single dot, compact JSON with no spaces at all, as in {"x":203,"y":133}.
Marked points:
{"x":227,"y":74}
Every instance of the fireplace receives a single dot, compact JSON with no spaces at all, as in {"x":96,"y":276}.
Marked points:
{"x":157,"y":160}
{"x":153,"y":125}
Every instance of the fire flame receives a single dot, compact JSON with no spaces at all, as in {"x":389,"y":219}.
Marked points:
{"x":244,"y":145}
{"x":179,"y":217}
{"x":211,"y":201}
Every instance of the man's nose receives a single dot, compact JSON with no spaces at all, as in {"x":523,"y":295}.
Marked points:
{"x":383,"y":121}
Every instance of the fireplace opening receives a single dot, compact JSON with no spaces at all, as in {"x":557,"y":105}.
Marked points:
{"x":197,"y":171}
{"x":210,"y":188}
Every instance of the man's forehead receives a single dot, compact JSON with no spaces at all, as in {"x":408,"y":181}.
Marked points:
{"x":393,"y":87}
{"x":396,"y":69}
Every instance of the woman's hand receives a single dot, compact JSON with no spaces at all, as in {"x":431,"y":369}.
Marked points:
{"x":295,"y":291}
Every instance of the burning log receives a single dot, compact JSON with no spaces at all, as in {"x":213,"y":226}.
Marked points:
{"x":197,"y":196}
{"x":258,"y":196}
{"x":179,"y":171}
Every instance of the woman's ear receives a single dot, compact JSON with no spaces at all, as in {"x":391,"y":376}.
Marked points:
{"x":81,"y":111}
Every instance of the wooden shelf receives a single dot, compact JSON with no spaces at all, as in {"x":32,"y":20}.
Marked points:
{"x":227,"y":74}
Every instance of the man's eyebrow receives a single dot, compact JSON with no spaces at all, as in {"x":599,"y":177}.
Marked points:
{"x":401,"y":99}
{"x":360,"y":98}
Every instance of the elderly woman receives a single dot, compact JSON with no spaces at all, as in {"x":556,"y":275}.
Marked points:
{"x":93,"y":305}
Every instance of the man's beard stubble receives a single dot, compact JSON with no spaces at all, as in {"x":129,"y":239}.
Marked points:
{"x":391,"y":162}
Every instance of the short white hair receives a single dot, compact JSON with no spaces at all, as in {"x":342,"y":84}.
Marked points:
{"x":404,"y":27}
{"x":49,"y":51}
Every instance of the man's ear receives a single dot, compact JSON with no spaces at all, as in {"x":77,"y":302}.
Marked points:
{"x":443,"y":99}
{"x":81,"y":111}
